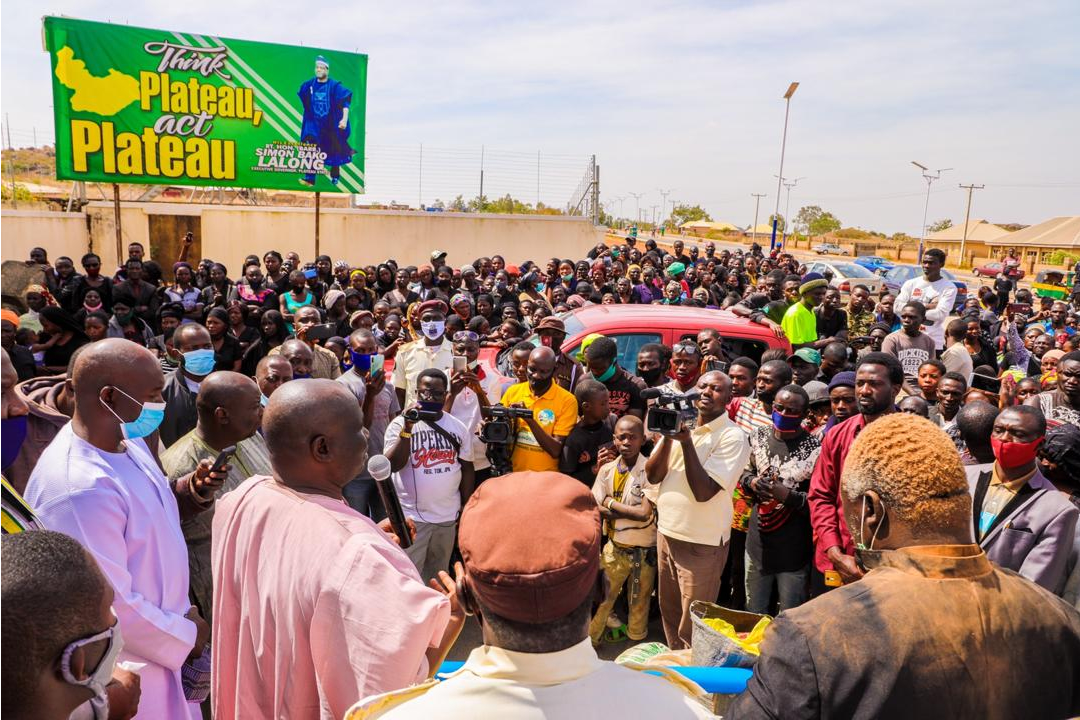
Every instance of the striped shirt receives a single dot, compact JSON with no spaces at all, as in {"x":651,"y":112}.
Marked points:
{"x":749,"y":413}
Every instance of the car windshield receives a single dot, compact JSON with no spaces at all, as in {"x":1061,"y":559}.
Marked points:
{"x":853,"y":270}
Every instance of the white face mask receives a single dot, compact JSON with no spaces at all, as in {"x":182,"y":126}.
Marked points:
{"x":102,"y":674}
{"x":434,"y":329}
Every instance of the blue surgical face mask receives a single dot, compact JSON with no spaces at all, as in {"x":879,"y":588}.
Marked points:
{"x":360,"y":361}
{"x":199,"y":362}
{"x":786,"y":423}
{"x":150,"y":417}
{"x":11,"y":439}
{"x":263,"y":400}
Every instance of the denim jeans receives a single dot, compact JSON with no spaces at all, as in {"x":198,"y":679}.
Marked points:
{"x":363,"y":496}
{"x":791,"y":587}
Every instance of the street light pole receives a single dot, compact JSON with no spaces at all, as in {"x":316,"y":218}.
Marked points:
{"x":664,"y":194}
{"x":637,"y":206}
{"x":930,"y":178}
{"x":783,"y":146}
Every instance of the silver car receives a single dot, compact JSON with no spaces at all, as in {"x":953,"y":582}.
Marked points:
{"x":846,"y":275}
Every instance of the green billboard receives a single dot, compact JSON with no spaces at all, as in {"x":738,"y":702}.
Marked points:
{"x":134,"y":105}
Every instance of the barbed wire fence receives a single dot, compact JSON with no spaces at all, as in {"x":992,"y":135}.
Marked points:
{"x":439,"y":177}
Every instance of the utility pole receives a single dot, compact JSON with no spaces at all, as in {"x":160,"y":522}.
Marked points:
{"x":7,"y":123}
{"x":420,"y":183}
{"x":537,"y":179}
{"x":967,"y":217}
{"x":787,"y":205}
{"x":480,"y":198}
{"x":930,"y":178}
{"x":757,"y":203}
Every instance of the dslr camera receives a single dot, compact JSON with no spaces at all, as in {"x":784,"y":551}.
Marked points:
{"x":499,"y":428}
{"x":670,"y":411}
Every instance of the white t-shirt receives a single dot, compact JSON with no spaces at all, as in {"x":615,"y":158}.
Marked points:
{"x":428,"y":485}
{"x":921,"y":289}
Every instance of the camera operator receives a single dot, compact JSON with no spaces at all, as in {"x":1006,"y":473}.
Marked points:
{"x":539,"y":439}
{"x":427,"y":448}
{"x":697,"y":471}
{"x":471,"y":390}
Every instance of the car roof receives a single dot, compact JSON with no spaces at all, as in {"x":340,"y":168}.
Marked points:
{"x":599,"y":317}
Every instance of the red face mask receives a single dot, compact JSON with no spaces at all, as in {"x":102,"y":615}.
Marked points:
{"x":1014,"y":454}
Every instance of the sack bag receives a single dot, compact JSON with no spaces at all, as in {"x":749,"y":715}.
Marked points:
{"x":725,"y":638}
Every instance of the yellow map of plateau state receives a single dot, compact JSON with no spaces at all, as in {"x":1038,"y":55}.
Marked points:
{"x":101,"y":95}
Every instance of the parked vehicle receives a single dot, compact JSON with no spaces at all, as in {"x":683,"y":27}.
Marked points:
{"x":895,"y":279}
{"x":827,"y":248}
{"x":632,"y":326}
{"x":991,"y":269}
{"x":846,"y":275}
{"x":875,"y":263}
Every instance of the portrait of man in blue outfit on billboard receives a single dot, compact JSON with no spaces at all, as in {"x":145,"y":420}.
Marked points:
{"x":326,"y":119}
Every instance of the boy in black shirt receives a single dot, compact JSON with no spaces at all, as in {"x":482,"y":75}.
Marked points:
{"x":624,"y":389}
{"x":589,"y":445}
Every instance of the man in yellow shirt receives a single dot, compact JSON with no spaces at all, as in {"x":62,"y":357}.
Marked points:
{"x":539,"y":439}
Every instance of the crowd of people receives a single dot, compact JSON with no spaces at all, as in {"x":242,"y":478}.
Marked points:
{"x":191,"y":523}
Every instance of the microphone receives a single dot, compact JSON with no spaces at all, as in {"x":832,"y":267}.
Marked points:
{"x":379,"y":468}
{"x":654,"y":393}
{"x":651,"y":393}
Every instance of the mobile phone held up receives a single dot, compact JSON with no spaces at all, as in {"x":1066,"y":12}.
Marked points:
{"x":461,"y":364}
{"x":223,"y":458}
{"x":321,"y":332}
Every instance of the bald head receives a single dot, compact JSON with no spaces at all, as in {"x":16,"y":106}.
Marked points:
{"x":315,"y":433}
{"x":112,"y":362}
{"x":271,"y":372}
{"x":228,"y":406}
{"x":191,"y":336}
{"x":299,"y":355}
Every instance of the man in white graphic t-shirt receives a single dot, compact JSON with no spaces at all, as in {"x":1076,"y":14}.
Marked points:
{"x":936,"y":293}
{"x":426,"y":446}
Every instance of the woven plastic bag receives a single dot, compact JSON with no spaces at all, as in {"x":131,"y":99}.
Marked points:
{"x":725,"y":638}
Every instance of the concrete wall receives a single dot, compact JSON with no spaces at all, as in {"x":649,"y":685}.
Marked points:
{"x":229,"y":233}
{"x":59,"y":233}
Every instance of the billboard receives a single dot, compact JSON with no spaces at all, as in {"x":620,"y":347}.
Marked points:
{"x":134,"y":105}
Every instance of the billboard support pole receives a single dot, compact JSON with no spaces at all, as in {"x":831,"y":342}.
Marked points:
{"x":317,"y":194}
{"x":116,"y":222}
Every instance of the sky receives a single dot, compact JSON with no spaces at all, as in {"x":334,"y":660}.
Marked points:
{"x":683,"y":96}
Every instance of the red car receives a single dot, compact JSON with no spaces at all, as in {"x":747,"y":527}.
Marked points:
{"x":991,"y":270}
{"x":632,"y":326}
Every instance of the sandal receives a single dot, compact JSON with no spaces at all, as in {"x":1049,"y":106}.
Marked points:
{"x":615,"y":635}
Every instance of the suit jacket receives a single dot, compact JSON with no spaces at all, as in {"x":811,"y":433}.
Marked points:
{"x":1033,"y":534}
{"x":180,"y":413}
{"x":930,"y":632}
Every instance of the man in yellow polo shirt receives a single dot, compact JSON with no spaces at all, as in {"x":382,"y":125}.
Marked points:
{"x":539,"y":440}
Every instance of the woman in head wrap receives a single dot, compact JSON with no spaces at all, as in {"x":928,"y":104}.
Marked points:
{"x":273,"y":332}
{"x":124,"y":323}
{"x":60,"y":337}
{"x":227,"y":352}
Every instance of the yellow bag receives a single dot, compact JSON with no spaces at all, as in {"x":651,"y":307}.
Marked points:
{"x":750,"y":642}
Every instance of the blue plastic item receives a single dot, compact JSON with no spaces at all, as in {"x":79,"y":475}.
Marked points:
{"x":726,"y":681}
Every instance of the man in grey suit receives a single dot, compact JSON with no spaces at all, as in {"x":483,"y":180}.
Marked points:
{"x":1021,"y":520}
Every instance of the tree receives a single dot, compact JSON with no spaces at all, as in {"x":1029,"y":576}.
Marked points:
{"x":779,"y":224}
{"x":458,"y":205}
{"x":689,"y":213}
{"x":816,"y":221}
{"x":939,"y":226}
{"x":826,"y":223}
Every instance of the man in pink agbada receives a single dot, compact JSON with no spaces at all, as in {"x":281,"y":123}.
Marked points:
{"x":315,"y":606}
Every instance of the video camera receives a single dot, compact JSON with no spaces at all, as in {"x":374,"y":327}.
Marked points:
{"x":671,"y":410}
{"x":420,"y":415}
{"x":499,"y":428}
